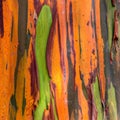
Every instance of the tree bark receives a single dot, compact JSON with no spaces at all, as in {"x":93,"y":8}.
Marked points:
{"x":59,"y":59}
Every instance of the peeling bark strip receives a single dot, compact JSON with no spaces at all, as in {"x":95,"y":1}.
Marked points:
{"x":1,"y":19}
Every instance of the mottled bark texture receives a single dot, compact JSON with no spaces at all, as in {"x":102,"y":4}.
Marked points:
{"x":60,"y":59}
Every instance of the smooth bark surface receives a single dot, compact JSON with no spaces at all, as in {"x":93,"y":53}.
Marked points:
{"x":60,"y":59}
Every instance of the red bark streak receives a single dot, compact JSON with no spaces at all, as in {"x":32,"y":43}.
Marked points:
{"x":48,"y":114}
{"x":53,"y":88}
{"x":50,"y":44}
{"x":115,"y":34}
{"x":37,"y":6}
{"x":113,"y":2}
{"x":115,"y":37}
{"x":34,"y":80}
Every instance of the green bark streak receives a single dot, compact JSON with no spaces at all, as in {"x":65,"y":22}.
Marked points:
{"x":110,"y":21}
{"x":97,"y":100}
{"x":54,"y":109}
{"x":112,"y":103}
{"x":118,"y":30}
{"x":42,"y":33}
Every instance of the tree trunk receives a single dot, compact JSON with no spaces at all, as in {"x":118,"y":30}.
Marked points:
{"x":60,"y":59}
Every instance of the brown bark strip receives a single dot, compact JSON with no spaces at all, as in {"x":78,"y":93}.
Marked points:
{"x":113,"y":2}
{"x":115,"y":37}
{"x":115,"y":34}
{"x":73,"y":105}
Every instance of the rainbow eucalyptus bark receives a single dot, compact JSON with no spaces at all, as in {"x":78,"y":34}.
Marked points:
{"x":44,"y":23}
{"x":110,"y":36}
{"x":18,"y":103}
{"x":62,"y":58}
{"x":97,"y":100}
